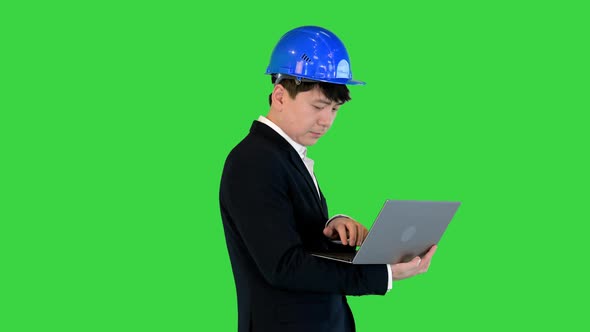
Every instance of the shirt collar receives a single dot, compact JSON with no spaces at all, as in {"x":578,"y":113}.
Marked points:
{"x":300,"y":149}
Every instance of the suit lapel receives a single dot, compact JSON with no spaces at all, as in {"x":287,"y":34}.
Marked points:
{"x":296,"y":160}
{"x":324,"y":204}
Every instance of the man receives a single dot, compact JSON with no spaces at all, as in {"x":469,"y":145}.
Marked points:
{"x":274,"y":212}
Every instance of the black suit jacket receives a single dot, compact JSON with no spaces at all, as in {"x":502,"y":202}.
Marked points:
{"x":272,"y":218}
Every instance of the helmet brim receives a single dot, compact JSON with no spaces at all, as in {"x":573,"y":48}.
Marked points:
{"x":304,"y":78}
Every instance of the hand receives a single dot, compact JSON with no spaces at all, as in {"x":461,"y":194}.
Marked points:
{"x":415,"y":266}
{"x":349,"y":231}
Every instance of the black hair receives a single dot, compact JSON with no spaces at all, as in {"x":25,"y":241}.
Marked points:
{"x":334,"y":92}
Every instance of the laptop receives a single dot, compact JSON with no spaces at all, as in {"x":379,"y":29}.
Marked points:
{"x":402,"y":231}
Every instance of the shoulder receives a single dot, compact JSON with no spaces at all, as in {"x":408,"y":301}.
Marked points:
{"x":256,"y":154}
{"x":252,"y":167}
{"x":256,"y":147}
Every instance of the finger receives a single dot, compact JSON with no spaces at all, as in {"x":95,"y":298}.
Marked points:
{"x":431,"y":252}
{"x":414,"y":266}
{"x":427,"y":266}
{"x":427,"y":259}
{"x":415,"y":262}
{"x":424,"y":266}
{"x":341,"y":229}
{"x":329,"y":231}
{"x":363,"y":232}
{"x":362,"y":235}
{"x":352,"y":232}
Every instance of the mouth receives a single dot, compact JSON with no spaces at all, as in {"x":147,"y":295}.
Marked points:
{"x":314,"y":134}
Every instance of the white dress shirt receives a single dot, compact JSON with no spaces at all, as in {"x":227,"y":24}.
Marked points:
{"x":302,"y":152}
{"x":300,"y":149}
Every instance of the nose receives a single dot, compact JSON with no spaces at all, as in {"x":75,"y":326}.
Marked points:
{"x":326,"y":117}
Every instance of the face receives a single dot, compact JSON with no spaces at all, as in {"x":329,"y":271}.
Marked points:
{"x":307,"y":117}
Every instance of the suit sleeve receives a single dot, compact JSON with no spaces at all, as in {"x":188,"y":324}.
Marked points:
{"x":255,"y":196}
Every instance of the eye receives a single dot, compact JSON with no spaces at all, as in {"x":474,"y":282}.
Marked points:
{"x":319,"y":108}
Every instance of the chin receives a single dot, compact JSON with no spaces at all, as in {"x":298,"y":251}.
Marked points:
{"x":311,"y":142}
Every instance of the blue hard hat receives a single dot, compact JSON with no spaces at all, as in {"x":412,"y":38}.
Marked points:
{"x":312,"y":53}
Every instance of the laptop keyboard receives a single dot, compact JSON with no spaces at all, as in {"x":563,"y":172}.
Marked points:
{"x":345,"y":256}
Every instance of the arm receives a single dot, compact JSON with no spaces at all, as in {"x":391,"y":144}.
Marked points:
{"x":255,"y":196}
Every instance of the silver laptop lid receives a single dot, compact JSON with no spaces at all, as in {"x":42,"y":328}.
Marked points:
{"x":404,"y":230}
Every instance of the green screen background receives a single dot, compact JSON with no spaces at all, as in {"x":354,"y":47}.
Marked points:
{"x":115,"y":120}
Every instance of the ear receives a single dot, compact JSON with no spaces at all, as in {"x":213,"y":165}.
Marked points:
{"x":278,"y":96}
